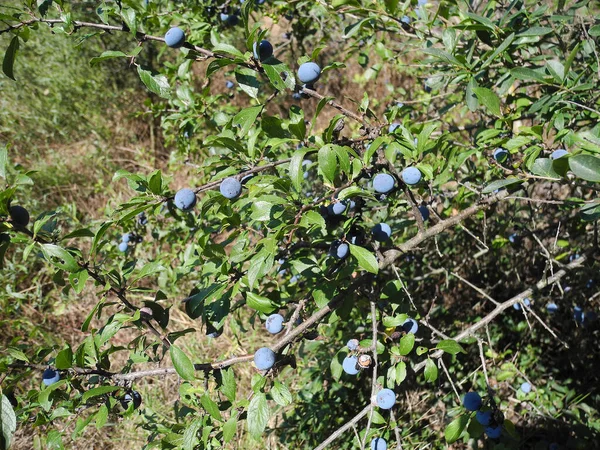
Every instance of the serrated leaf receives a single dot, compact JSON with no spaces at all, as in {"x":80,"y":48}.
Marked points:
{"x":431,"y":370}
{"x":450,"y":346}
{"x":101,"y":416}
{"x":60,"y":257}
{"x":210,"y":407}
{"x":3,"y":161}
{"x":229,"y":429}
{"x":281,"y":394}
{"x":158,"y":84}
{"x":327,"y":162}
{"x":107,"y":55}
{"x":8,"y":421}
{"x":525,"y":74}
{"x":181,"y":362}
{"x":64,"y":359}
{"x":274,"y":70}
{"x":586,"y":167}
{"x":455,"y":428}
{"x":246,"y":118}
{"x":229,"y":385}
{"x":542,"y":167}
{"x":190,"y":435}
{"x":9,"y":58}
{"x":401,"y":372}
{"x":258,"y":415}
{"x":95,"y":392}
{"x":499,"y":184}
{"x":295,"y":168}
{"x":365,"y":258}
{"x":259,"y":303}
{"x":407,"y":343}
{"x":489,"y":99}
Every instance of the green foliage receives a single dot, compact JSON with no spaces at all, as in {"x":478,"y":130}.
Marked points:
{"x":518,"y":76}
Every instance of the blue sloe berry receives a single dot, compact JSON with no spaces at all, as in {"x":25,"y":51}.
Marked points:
{"x":185,"y":199}
{"x":309,"y":72}
{"x":230,"y":188}
{"x":424,"y":212}
{"x":19,"y":215}
{"x":262,"y":50}
{"x":175,"y":37}
{"x":493,"y":432}
{"x":411,"y":175}
{"x":352,"y":344}
{"x":274,"y":323}
{"x":381,"y":232}
{"x":383,"y":183}
{"x":50,"y":376}
{"x":386,"y":398}
{"x":264,"y":358}
{"x":500,"y":155}
{"x":349,"y":365}
{"x":378,"y":444}
{"x":484,"y":417}
{"x":410,"y":326}
{"x":472,"y":401}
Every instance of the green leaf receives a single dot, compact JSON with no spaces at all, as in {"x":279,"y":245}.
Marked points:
{"x":295,"y":168}
{"x":95,"y":392}
{"x":407,"y":342}
{"x":274,"y":70}
{"x":401,"y":372}
{"x":229,"y":429}
{"x":8,"y":421}
{"x":101,"y":417}
{"x":499,"y":50}
{"x":397,"y":320}
{"x":489,"y":99}
{"x":455,"y":428}
{"x":281,"y":394}
{"x":60,"y":257}
{"x":586,"y":167}
{"x":9,"y":58}
{"x":248,"y":82}
{"x":258,"y":415}
{"x":17,"y":354}
{"x":525,"y":74}
{"x":591,"y":212}
{"x":259,"y":303}
{"x":246,"y":118}
{"x":542,"y":167}
{"x":365,"y":258}
{"x":190,"y":435}
{"x":157,"y":84}
{"x":107,"y":55}
{"x":431,"y":370}
{"x":444,"y":56}
{"x":450,"y":346}
{"x":470,"y":97}
{"x":499,"y":184}
{"x":183,"y":365}
{"x":229,"y":385}
{"x":3,"y":161}
{"x":210,"y":407}
{"x":327,"y":162}
{"x":297,"y":125}
{"x":64,"y":359}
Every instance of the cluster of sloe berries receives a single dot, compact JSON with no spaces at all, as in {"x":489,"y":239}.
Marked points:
{"x":491,"y":422}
